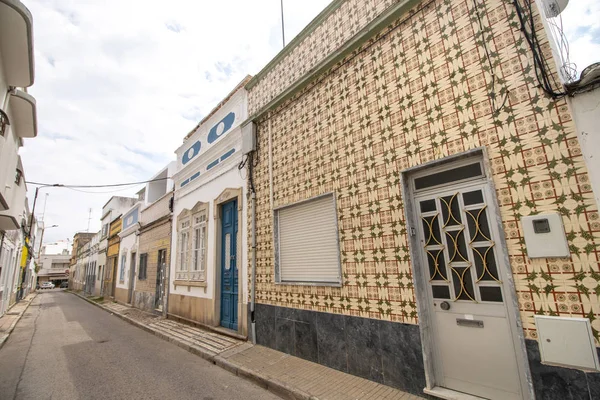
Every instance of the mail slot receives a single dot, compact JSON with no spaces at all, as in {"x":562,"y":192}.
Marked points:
{"x":471,"y":323}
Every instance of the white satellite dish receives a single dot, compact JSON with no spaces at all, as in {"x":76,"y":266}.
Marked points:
{"x":552,"y":8}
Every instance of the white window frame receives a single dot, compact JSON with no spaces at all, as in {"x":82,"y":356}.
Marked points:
{"x":184,"y":243}
{"x":199,"y":246}
{"x":122,"y":270}
{"x":276,"y":233}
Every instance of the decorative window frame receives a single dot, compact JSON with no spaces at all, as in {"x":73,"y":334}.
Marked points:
{"x":122,"y":262}
{"x":188,"y":221}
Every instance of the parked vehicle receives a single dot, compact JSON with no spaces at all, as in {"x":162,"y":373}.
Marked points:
{"x":64,"y":285}
{"x":47,"y":285}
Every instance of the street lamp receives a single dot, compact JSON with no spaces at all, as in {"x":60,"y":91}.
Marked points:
{"x":42,"y":238}
{"x":37,"y":189}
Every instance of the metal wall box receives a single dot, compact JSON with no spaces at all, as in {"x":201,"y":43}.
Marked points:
{"x":567,"y":341}
{"x":545,"y":236}
{"x":248,"y":138}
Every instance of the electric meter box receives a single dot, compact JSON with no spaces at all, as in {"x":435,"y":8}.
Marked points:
{"x":248,"y":138}
{"x":545,"y":236}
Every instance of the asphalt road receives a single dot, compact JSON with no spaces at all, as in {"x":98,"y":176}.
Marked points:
{"x":65,"y":348}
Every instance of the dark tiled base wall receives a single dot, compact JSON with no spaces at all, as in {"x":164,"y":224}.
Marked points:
{"x":558,"y":383}
{"x":381,"y":351}
{"x":390,"y":353}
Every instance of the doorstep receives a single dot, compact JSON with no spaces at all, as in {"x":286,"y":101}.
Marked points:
{"x":217,"y":329}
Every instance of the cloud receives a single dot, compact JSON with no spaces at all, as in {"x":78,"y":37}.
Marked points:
{"x":581,"y":26}
{"x":120,"y":83}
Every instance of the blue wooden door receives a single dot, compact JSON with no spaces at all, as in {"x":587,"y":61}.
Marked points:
{"x":229,"y":271}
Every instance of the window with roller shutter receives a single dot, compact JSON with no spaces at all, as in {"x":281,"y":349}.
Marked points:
{"x":307,"y":243}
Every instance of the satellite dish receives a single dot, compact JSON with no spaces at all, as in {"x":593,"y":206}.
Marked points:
{"x":552,"y":8}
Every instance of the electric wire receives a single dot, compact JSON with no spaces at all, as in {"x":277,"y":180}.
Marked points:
{"x":96,"y":186}
{"x":492,"y":94}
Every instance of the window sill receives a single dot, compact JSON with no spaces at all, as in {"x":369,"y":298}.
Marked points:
{"x":190,"y":283}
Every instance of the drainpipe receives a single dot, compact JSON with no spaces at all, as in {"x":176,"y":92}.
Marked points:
{"x":253,"y":232}
{"x":253,"y":289}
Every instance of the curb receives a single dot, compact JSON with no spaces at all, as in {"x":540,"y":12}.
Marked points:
{"x":275,"y":386}
{"x":12,"y":326}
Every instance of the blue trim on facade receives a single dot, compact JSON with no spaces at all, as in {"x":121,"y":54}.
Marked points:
{"x":131,"y":218}
{"x":191,"y":152}
{"x":184,"y":182}
{"x":197,"y":174}
{"x":212,"y":164}
{"x":227,"y":155}
{"x":227,"y":122}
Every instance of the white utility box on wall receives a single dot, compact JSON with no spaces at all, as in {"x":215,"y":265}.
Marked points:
{"x":248,"y":138}
{"x":567,"y":341}
{"x":545,"y":236}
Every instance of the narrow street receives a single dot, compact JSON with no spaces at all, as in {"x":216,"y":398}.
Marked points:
{"x":65,"y":348}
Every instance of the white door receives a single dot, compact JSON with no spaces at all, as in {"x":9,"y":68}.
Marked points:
{"x":462,"y":267}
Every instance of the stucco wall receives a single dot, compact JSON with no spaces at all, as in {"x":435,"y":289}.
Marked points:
{"x":416,"y":93}
{"x":128,"y":246}
{"x":208,"y":193}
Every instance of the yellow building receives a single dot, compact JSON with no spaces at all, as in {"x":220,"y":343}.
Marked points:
{"x":112,"y":257}
{"x":424,"y":214}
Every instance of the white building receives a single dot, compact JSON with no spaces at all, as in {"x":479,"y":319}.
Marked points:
{"x":128,"y":250}
{"x":17,"y":121}
{"x":59,"y":247}
{"x":208,"y":269}
{"x":17,"y":107}
{"x":53,"y":268}
{"x":112,"y":210}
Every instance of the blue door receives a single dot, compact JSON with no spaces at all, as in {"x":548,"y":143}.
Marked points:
{"x":229,"y":271}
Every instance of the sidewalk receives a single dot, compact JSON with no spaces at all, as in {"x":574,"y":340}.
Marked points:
{"x":9,"y":320}
{"x":287,"y":376}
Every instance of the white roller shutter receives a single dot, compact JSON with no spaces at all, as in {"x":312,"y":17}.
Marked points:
{"x":308,"y":246}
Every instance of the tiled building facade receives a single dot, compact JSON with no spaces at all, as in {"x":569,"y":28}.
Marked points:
{"x":417,"y":91}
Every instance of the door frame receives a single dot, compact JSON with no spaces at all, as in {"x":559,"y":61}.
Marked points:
{"x":160,"y":279}
{"x":133,"y":264}
{"x":424,"y":310}
{"x":226,"y":196}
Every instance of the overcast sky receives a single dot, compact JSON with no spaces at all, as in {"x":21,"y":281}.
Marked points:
{"x":119,"y":83}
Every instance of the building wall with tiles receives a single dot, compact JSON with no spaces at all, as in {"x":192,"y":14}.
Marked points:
{"x":418,"y":92}
{"x":343,"y":23}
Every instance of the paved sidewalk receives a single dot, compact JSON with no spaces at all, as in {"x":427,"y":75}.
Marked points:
{"x":287,"y":376}
{"x":9,"y":320}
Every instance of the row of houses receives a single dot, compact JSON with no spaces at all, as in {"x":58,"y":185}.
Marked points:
{"x":18,"y":227}
{"x":407,"y":192}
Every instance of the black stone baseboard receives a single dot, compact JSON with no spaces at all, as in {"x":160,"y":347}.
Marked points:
{"x":390,"y":352}
{"x":552,"y":382}
{"x":381,"y":351}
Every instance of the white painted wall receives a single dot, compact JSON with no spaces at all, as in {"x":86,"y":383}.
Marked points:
{"x":585,"y":108}
{"x":129,"y":244}
{"x":208,"y":193}
{"x":207,"y":187}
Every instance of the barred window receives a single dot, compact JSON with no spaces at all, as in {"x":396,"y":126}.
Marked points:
{"x":143,"y":271}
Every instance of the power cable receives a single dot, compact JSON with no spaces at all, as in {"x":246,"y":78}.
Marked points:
{"x":492,"y":95}
{"x":96,"y":186}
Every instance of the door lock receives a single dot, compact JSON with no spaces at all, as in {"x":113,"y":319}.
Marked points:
{"x":444,"y":305}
